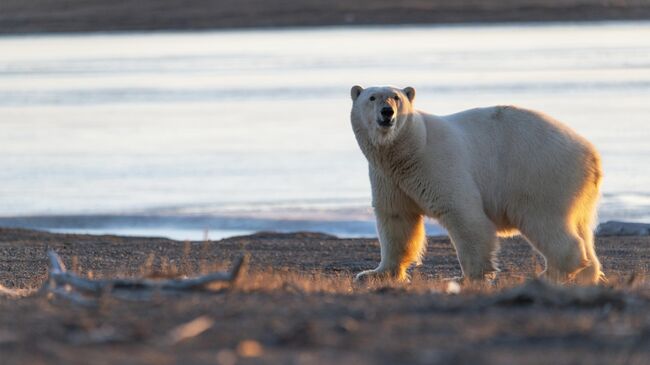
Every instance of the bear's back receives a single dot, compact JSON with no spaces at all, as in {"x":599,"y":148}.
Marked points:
{"x":512,"y":151}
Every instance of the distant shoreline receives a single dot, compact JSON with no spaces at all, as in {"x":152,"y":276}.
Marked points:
{"x":43,"y":16}
{"x":197,"y":227}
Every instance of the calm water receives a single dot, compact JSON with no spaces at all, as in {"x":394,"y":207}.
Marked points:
{"x":222,"y":133}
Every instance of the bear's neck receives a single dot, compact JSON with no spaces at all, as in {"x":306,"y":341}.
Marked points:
{"x":399,"y":157}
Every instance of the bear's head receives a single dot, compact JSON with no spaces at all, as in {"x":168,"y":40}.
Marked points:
{"x":380,"y":113}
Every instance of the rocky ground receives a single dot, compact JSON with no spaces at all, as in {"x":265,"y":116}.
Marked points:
{"x":298,"y":305}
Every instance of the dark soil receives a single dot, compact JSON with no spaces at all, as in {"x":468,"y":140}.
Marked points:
{"x":302,"y":308}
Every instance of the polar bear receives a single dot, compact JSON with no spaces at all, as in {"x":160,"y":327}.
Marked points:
{"x":482,"y":173}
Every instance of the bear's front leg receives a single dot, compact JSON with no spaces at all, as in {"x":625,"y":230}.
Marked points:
{"x":402,"y":240}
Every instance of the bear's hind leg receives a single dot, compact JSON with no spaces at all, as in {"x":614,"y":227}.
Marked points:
{"x":560,"y":245}
{"x":592,"y":274}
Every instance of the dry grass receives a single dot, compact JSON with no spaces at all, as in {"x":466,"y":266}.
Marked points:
{"x":285,"y":279}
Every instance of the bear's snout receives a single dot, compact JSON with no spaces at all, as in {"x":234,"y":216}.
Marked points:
{"x":387,"y":112}
{"x":386,"y":119}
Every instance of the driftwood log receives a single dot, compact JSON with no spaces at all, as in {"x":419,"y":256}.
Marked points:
{"x":81,"y":290}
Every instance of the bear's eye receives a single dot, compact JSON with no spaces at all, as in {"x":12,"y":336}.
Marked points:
{"x":372,"y":98}
{"x":396,"y":98}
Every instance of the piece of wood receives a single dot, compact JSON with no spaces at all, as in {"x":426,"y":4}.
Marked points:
{"x":68,"y":285}
{"x":189,"y":330}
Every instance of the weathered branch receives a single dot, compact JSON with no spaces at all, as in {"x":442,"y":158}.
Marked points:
{"x":188,"y":330}
{"x":61,"y":282}
{"x":72,"y":296}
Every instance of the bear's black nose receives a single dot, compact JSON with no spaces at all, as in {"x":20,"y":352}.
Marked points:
{"x":387,"y":112}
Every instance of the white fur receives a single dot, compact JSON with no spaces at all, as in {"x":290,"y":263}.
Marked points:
{"x":481,"y":173}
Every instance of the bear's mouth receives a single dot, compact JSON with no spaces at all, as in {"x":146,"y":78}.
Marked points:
{"x":385,"y":122}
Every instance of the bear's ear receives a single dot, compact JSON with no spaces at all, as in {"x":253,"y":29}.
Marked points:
{"x":410,"y":93}
{"x":355,"y":92}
